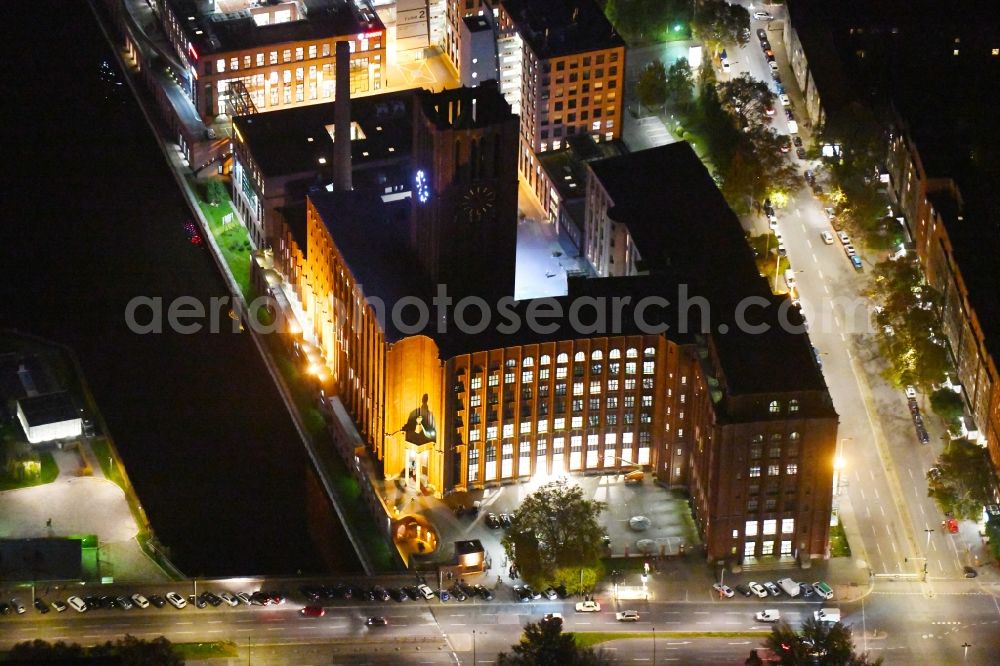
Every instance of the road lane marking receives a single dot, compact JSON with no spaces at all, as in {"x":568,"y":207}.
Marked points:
{"x":815,"y":259}
{"x":922,"y":509}
{"x":820,"y":273}
{"x":910,"y":470}
{"x":809,"y":243}
{"x":882,"y":509}
{"x":893,"y":544}
{"x":875,"y":490}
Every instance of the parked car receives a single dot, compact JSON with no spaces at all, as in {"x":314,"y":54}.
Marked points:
{"x":969,"y":572}
{"x":425,"y":592}
{"x":41,"y":606}
{"x":827,"y":237}
{"x":212,"y":598}
{"x":140,"y":601}
{"x":761,"y":34}
{"x":806,"y":590}
{"x":176,"y":600}
{"x":199,"y":601}
{"x":797,"y":141}
{"x":313,"y":611}
{"x":412,"y":592}
{"x":492,"y":521}
{"x":550,"y":594}
{"x":723,"y":590}
{"x":505,"y":521}
{"x":856,"y":262}
{"x":552,"y":618}
{"x":396,"y":594}
{"x":380,"y":593}
{"x":800,"y":152}
{"x":229,"y":598}
{"x":823,"y":590}
{"x":58,"y":606}
{"x":773,"y":65}
{"x":765,"y":46}
{"x":923,"y":436}
{"x":443,"y":595}
{"x":744,"y":589}
{"x":457,"y":592}
{"x":17,"y":606}
{"x":312,"y":592}
{"x":772,"y":589}
{"x":522,"y":594}
{"x":484,"y":592}
{"x":588,"y":606}
{"x":627,"y":616}
{"x":758,"y":589}
{"x":911,"y":392}
{"x":77,"y":604}
{"x":376,"y":621}
{"x":770,"y":615}
{"x":762,"y":16}
{"x":5,"y":608}
{"x":244,"y":597}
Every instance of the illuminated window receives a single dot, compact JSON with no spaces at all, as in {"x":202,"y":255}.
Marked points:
{"x":527,"y":377}
{"x":595,"y":386}
{"x":792,"y":468}
{"x":793,"y":406}
{"x":220,"y":65}
{"x":751,"y":528}
{"x":559,"y":424}
{"x":774,"y":407}
{"x":767,"y":548}
{"x":788,"y":526}
{"x":754,"y":471}
{"x":615,"y":353}
{"x":491,"y":432}
{"x":770,"y":526}
{"x":577,"y":388}
{"x":544,"y":360}
{"x":632,"y":352}
{"x":648,"y":367}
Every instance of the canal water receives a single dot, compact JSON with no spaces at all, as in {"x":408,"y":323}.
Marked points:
{"x":91,"y":219}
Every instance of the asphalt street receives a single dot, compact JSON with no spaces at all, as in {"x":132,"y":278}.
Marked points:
{"x":900,"y":620}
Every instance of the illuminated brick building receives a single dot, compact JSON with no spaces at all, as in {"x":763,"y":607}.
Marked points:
{"x":244,"y":56}
{"x":742,"y":420}
{"x":562,"y":69}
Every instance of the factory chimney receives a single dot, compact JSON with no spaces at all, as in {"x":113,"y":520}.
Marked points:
{"x":342,"y":120}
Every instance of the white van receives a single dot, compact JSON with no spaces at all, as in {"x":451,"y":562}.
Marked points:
{"x":789,"y":587}
{"x":823,"y":590}
{"x":827,"y":615}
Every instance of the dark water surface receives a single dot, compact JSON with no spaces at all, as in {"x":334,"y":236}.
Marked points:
{"x":92,"y":218}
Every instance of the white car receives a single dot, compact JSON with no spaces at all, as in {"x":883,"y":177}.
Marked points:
{"x":785,"y":101}
{"x":17,"y":606}
{"x":827,"y":237}
{"x":849,"y":249}
{"x":770,"y":615}
{"x":627,"y":616}
{"x":176,"y":600}
{"x":77,"y":604}
{"x":229,"y":598}
{"x":773,"y":65}
{"x":724,"y":590}
{"x":762,"y":16}
{"x":757,"y":589}
{"x":844,"y":238}
{"x":725,"y":66}
{"x":244,"y":597}
{"x":140,"y":601}
{"x":911,"y":393}
{"x":425,"y":592}
{"x":588,"y":606}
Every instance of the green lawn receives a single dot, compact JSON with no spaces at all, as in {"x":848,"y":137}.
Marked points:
{"x":592,"y":638}
{"x":49,"y":472}
{"x":838,"y":542}
{"x":216,"y":650}
{"x":232,"y":238}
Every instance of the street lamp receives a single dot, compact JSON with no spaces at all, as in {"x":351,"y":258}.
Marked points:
{"x":654,"y":645}
{"x":838,"y":464}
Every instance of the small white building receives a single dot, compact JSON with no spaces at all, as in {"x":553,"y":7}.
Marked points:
{"x":49,"y":417}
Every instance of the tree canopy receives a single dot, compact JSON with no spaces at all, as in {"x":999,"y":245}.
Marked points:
{"x":831,"y":644}
{"x":717,"y":22}
{"x":908,"y":324}
{"x":652,"y":86}
{"x":545,"y":644}
{"x":129,"y":651}
{"x":746,"y":99}
{"x":962,"y":481}
{"x":680,"y":83}
{"x":555,"y":528}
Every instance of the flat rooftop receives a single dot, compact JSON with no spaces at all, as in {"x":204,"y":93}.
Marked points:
{"x":562,"y":27}
{"x":293,"y":141}
{"x":683,"y":225}
{"x":231,"y":25}
{"x":49,"y":408}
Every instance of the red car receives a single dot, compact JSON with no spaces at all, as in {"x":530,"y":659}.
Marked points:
{"x":952,"y":526}
{"x":313,"y":611}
